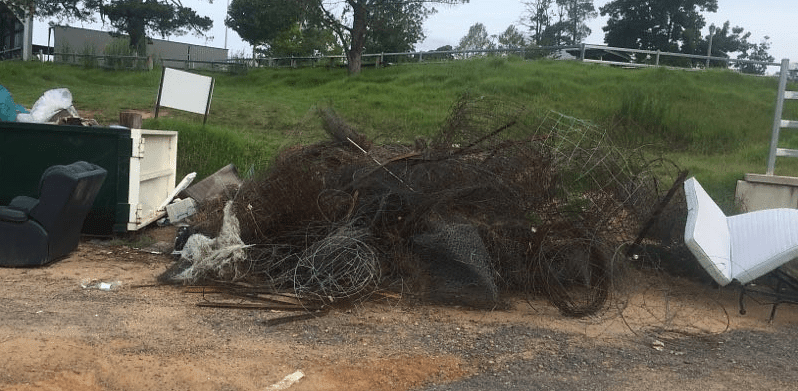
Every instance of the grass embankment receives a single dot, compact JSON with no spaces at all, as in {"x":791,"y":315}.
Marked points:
{"x":715,"y":124}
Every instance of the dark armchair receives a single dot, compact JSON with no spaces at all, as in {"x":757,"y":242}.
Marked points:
{"x":38,"y":231}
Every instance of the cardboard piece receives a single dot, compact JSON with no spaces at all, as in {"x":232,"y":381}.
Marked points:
{"x":214,"y":185}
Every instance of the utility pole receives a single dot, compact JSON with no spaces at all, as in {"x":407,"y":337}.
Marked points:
{"x":226,"y":10}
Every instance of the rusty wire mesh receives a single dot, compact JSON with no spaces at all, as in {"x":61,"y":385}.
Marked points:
{"x":500,"y":200}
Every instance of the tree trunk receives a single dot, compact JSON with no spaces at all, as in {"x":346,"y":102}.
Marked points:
{"x":138,"y":39}
{"x":131,"y":119}
{"x":359,"y":22}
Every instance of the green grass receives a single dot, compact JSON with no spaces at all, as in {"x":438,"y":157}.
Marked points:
{"x":714,"y":123}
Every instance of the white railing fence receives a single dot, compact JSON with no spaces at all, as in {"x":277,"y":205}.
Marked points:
{"x":599,"y":54}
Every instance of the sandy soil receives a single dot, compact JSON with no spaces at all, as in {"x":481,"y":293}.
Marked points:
{"x":57,"y":332}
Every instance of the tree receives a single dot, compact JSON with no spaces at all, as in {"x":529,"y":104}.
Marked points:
{"x":511,"y":38}
{"x":756,"y":52}
{"x":396,"y":27}
{"x":301,"y":40}
{"x":654,"y":24}
{"x":560,"y":22}
{"x":136,"y":18}
{"x":538,"y":13}
{"x":578,"y":12}
{"x":727,"y":41}
{"x":476,"y":39}
{"x":258,"y":22}
{"x":162,"y":17}
{"x":555,"y":33}
{"x":381,"y":25}
{"x":352,"y":27}
{"x":280,"y":28}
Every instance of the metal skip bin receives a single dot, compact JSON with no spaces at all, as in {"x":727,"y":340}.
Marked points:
{"x":141,"y":167}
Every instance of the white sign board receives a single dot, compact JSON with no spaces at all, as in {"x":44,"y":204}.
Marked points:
{"x":185,"y":91}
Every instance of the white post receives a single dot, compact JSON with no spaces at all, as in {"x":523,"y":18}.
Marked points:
{"x":27,"y":35}
{"x":226,"y":10}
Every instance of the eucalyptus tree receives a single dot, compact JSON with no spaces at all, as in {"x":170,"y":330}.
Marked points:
{"x":558,"y":22}
{"x":538,"y":13}
{"x":578,"y":12}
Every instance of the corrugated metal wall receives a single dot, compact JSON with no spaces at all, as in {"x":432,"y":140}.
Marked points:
{"x":86,"y":41}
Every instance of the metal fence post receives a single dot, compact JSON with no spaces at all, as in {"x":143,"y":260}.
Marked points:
{"x":774,"y":138}
{"x":582,"y":52}
{"x":657,"y":60}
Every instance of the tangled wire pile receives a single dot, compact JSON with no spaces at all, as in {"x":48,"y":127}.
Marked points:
{"x":499,"y":201}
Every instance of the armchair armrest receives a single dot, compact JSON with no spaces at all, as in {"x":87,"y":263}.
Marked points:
{"x":12,"y":215}
{"x":23,"y":203}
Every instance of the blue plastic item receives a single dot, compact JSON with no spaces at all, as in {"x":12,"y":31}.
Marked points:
{"x":9,"y":109}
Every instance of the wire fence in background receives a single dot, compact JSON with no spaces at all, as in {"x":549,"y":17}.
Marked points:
{"x":599,"y":54}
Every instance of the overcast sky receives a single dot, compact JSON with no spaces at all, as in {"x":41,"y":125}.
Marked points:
{"x":774,"y":18}
{"x":777,"y":19}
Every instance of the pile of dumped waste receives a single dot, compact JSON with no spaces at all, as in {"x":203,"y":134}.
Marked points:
{"x":54,"y":106}
{"x":498,"y":201}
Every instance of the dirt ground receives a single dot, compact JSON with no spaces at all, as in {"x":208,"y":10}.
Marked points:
{"x":58,"y":332}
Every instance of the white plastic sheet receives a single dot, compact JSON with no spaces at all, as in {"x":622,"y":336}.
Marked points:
{"x":50,"y":103}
